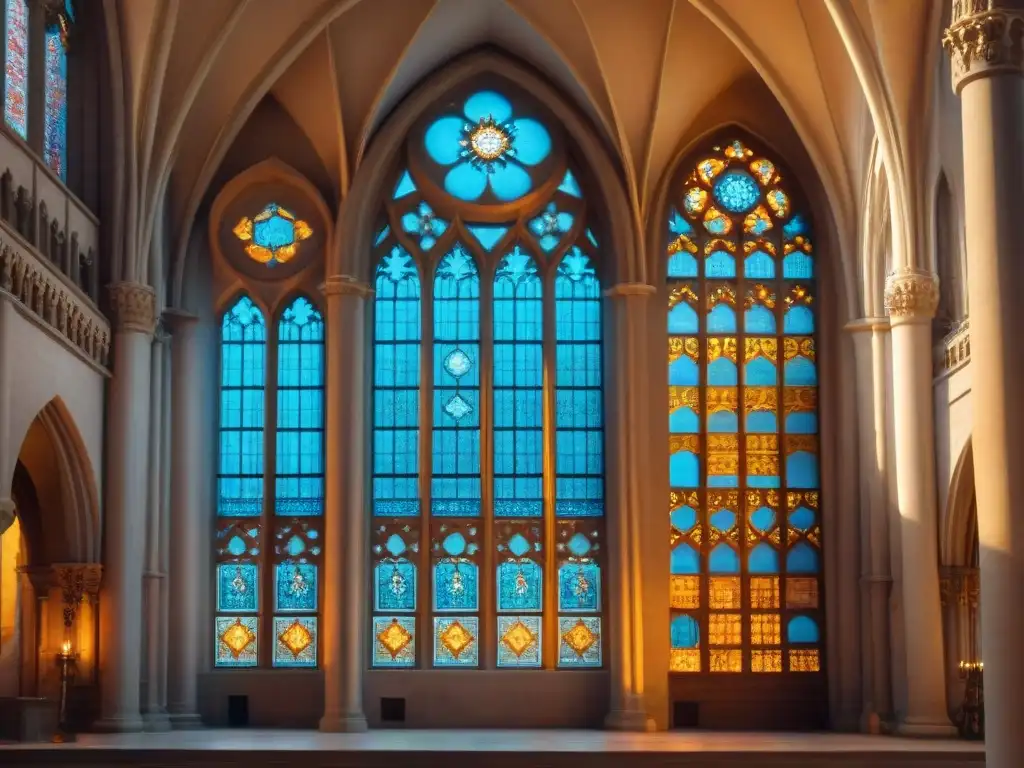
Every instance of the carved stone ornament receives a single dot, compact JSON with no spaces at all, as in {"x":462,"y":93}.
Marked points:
{"x":36,"y":287}
{"x":345,"y":285}
{"x":985,"y":37}
{"x":911,"y":293}
{"x":134,"y":307}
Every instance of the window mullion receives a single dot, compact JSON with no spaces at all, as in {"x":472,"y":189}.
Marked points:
{"x":425,"y":575}
{"x":549,"y":620}
{"x":487,"y":595}
{"x":268,"y":559}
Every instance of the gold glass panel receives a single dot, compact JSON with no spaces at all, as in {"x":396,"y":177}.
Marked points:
{"x":722,"y":660}
{"x":764,"y":629}
{"x":757,"y":222}
{"x":683,"y":397}
{"x":684,"y":592}
{"x":688,"y":443}
{"x":681,"y":292}
{"x":764,"y":592}
{"x":801,"y":346}
{"x":683,"y":345}
{"x":763,"y":455}
{"x":759,"y":294}
{"x":684,"y":660}
{"x":763,"y":660}
{"x":778,"y":201}
{"x":804,"y":661}
{"x":798,"y":243}
{"x":799,"y":294}
{"x":723,"y":455}
{"x":724,"y":629}
{"x":720,"y":293}
{"x":681,"y":243}
{"x":709,"y":168}
{"x":760,"y":399}
{"x":763,"y":169}
{"x":721,"y":346}
{"x":766,"y":348}
{"x":721,"y":399}
{"x":799,"y":399}
{"x":794,"y":443}
{"x":801,"y":592}
{"x":724,"y":592}
{"x":694,"y":200}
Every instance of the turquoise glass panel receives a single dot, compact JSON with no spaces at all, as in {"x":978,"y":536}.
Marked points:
{"x":237,"y":587}
{"x":685,"y":560}
{"x":763,"y":558}
{"x":759,"y":319}
{"x":682,"y":318}
{"x":720,"y":264}
{"x":762,"y":422}
{"x":802,"y":470}
{"x":683,"y":372}
{"x":520,"y":586}
{"x":16,"y":66}
{"x":721,"y":319}
{"x":683,"y":421}
{"x":682,"y":264}
{"x":685,"y":632}
{"x":299,"y":484}
{"x":455,"y":485}
{"x":798,"y":266}
{"x":396,"y":378}
{"x":722,"y":373}
{"x":55,"y":114}
{"x":456,"y":585}
{"x":394,"y":585}
{"x":760,"y":372}
{"x":802,"y":558}
{"x":798,"y":320}
{"x":759,"y":266}
{"x":579,"y":587}
{"x":684,"y":470}
{"x":802,"y":629}
{"x":579,"y":418}
{"x":243,"y":364}
{"x":518,"y":387}
{"x":723,"y":559}
{"x":736,"y":191}
{"x":295,"y":587}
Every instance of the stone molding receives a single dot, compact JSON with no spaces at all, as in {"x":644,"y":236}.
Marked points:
{"x":34,"y":285}
{"x":911,"y":293}
{"x":134,"y":307}
{"x":345,"y":285}
{"x":954,"y":351}
{"x":983,"y":39}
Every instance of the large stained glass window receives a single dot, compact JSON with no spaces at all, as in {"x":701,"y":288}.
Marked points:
{"x":55,"y":113}
{"x":744,"y":505}
{"x":267,"y":548}
{"x":488,"y":476}
{"x":16,"y":67}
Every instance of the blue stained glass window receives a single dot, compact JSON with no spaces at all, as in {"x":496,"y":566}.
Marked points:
{"x":456,"y":641}
{"x":395,"y":585}
{"x":55,"y":115}
{"x":243,"y":354}
{"x":237,"y":587}
{"x":550,"y":226}
{"x":455,"y":485}
{"x":424,"y":224}
{"x":737,"y":192}
{"x":16,"y":67}
{"x":300,"y":411}
{"x":579,"y":586}
{"x":520,"y":585}
{"x":518,"y":388}
{"x":396,"y":376}
{"x":579,"y":437}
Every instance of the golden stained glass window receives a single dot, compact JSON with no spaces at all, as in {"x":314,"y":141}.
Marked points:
{"x":273,"y":235}
{"x":745,"y":508}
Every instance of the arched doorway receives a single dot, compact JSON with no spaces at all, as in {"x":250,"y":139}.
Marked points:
{"x":960,"y":583}
{"x":49,"y":576}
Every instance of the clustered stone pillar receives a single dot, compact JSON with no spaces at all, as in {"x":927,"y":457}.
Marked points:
{"x":189,"y":531}
{"x":911,"y":297}
{"x":627,"y":465}
{"x":345,"y":521}
{"x":875,"y":575}
{"x":986,"y":45}
{"x":124,"y":520}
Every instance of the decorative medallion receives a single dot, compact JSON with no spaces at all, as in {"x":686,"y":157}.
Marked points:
{"x":237,"y":638}
{"x":456,"y":638}
{"x":736,"y":191}
{"x":579,"y":637}
{"x":273,"y":235}
{"x":487,"y":145}
{"x":296,"y":638}
{"x":518,"y":638}
{"x":394,"y":638}
{"x":457,"y":364}
{"x":457,"y":407}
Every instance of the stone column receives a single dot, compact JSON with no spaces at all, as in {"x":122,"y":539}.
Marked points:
{"x":986,"y":46}
{"x":875,"y":574}
{"x":189,"y":532}
{"x":627,"y":463}
{"x":345,"y":515}
{"x":154,"y":714}
{"x":911,"y":297}
{"x":124,"y":523}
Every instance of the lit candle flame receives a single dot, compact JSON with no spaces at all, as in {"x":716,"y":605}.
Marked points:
{"x":65,"y":648}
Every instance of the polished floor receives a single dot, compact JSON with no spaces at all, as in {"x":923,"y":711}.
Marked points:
{"x":494,"y":749}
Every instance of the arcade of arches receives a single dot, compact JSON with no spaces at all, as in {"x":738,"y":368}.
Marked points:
{"x":613,"y":359}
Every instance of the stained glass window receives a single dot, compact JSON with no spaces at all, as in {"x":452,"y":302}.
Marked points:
{"x":16,"y":67}
{"x":273,"y":235}
{"x":243,"y":363}
{"x":509,"y":454}
{"x":744,"y":504}
{"x":268,"y":551}
{"x":55,"y":115}
{"x":300,"y":411}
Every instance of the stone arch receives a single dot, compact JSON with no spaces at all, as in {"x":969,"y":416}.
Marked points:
{"x":958,"y":535}
{"x":358,"y":214}
{"x":53,"y":462}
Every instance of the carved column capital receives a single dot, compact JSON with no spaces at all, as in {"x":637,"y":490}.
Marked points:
{"x":911,"y":294}
{"x":134,"y":307}
{"x":345,"y":285}
{"x":985,"y":37}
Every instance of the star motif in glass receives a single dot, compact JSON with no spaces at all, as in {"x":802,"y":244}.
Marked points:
{"x":394,"y":638}
{"x":273,"y":235}
{"x":580,"y":637}
{"x":518,"y":638}
{"x":237,"y":638}
{"x":296,"y":638}
{"x":456,"y":638}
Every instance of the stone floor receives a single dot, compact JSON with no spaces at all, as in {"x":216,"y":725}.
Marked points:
{"x":493,"y":749}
